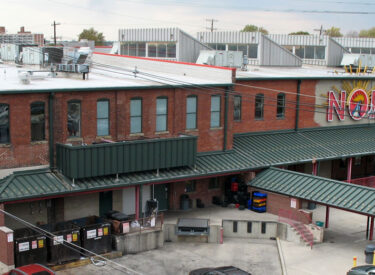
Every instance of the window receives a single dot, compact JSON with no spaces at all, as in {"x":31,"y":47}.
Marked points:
{"x":264,"y":226}
{"x":152,"y":50}
{"x":309,"y":52}
{"x":215,"y":111}
{"x":232,"y":47}
{"x":191,"y":186}
{"x":259,"y":100}
{"x":161,"y":114}
{"x":300,"y":51}
{"x":37,"y":121}
{"x":74,"y":118}
{"x":249,"y":227}
{"x":191,"y":112}
{"x":4,"y":123}
{"x":234,"y":226}
{"x":280,"y":112}
{"x":133,"y":49}
{"x":162,"y":50}
{"x":320,"y":52}
{"x":136,"y":115}
{"x":242,"y":48}
{"x":237,"y":108}
{"x":253,"y":51}
{"x":171,"y":50}
{"x":214,"y":183}
{"x":102,"y":117}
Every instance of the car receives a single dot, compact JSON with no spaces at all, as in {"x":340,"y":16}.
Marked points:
{"x":362,"y":270}
{"x":223,"y":270}
{"x":31,"y":269}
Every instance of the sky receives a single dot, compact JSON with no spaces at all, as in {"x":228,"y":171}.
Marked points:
{"x":108,"y":16}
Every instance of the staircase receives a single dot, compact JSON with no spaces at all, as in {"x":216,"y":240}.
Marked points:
{"x":292,"y":218}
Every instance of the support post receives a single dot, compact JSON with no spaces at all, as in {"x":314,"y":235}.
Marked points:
{"x":50,"y":131}
{"x":140,"y":201}
{"x":226,"y":107}
{"x":350,"y":164}
{"x":371,"y":229}
{"x":2,"y":215}
{"x":327,"y":217}
{"x":296,"y":126}
{"x":137,"y":202}
{"x":314,"y":167}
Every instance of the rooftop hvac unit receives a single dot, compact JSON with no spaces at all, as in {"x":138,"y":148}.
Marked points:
{"x":356,"y":60}
{"x":221,"y":58}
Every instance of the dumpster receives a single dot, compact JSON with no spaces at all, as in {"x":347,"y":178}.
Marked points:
{"x":29,"y":247}
{"x":120,"y":222}
{"x":369,"y":252}
{"x":59,"y":251}
{"x":95,"y":234}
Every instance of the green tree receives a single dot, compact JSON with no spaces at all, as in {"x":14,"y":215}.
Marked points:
{"x":334,"y":32}
{"x":367,"y":33}
{"x":253,"y":28}
{"x":299,"y":33}
{"x":93,"y":35}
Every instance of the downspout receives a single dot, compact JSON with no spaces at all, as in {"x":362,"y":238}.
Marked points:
{"x":50,"y":129}
{"x":226,"y":104}
{"x":297,"y":103}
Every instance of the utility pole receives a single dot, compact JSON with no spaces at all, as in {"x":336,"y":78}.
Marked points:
{"x":321,"y":30}
{"x":54,"y":30}
{"x":212,"y":24}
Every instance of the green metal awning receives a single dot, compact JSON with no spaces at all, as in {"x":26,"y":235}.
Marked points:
{"x":250,"y":152}
{"x":355,"y":198}
{"x":290,"y":147}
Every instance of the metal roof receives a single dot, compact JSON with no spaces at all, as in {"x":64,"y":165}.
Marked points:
{"x":250,"y":152}
{"x":289,"y":147}
{"x":330,"y":192}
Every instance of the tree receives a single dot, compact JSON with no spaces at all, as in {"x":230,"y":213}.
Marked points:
{"x":367,"y":33}
{"x":334,"y":32}
{"x":93,"y":35}
{"x":253,"y":28}
{"x":299,"y":33}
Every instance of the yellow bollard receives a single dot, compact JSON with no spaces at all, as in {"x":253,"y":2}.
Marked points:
{"x":373,"y":259}
{"x":354,"y":261}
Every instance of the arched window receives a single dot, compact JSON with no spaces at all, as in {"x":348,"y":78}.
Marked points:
{"x":102,"y":117}
{"x":191,"y":112}
{"x":37,"y":117}
{"x":280,"y":111}
{"x":259,"y":108}
{"x":74,"y":118}
{"x":161,"y":114}
{"x":4,"y":123}
{"x":136,"y":115}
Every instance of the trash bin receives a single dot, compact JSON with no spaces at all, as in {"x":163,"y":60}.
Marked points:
{"x":59,"y":251}
{"x":29,"y":247}
{"x":95,"y":234}
{"x":369,"y":252}
{"x":184,"y":202}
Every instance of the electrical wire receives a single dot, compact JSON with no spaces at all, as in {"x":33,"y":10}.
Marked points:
{"x":209,"y":89}
{"x":72,"y":246}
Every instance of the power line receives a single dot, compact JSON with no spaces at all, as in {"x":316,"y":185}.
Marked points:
{"x":76,"y":248}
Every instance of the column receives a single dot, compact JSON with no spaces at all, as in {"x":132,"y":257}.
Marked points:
{"x":137,"y":202}
{"x":349,"y":169}
{"x":371,"y":228}
{"x":327,"y":217}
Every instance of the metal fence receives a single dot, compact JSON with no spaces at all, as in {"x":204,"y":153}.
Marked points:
{"x":144,"y":224}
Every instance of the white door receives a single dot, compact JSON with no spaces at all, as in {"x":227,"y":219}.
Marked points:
{"x":128,"y":201}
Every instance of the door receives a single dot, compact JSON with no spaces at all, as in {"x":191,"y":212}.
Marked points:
{"x":161,"y":194}
{"x":128,"y":201}
{"x":105,"y":202}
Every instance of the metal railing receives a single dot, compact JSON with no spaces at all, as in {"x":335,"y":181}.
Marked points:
{"x":293,"y":218}
{"x":367,"y":181}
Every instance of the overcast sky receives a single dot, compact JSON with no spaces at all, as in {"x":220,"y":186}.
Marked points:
{"x":107,"y":16}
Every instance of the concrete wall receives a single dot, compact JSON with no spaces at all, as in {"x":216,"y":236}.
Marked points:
{"x":33,"y":212}
{"x":170,"y":235}
{"x":81,"y":206}
{"x":136,"y":242}
{"x":256,"y":226}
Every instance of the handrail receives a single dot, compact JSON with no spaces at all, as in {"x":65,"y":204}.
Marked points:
{"x":366,"y":181}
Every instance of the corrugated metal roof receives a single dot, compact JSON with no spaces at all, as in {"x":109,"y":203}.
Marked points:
{"x":280,"y":148}
{"x":250,"y":152}
{"x":334,"y":193}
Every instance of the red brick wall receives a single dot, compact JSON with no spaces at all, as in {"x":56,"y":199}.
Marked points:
{"x":270,"y":122}
{"x":21,"y":151}
{"x":202,"y":192}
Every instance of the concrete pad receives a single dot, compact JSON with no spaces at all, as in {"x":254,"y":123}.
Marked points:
{"x":258,"y":257}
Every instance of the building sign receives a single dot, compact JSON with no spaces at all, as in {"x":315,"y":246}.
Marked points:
{"x":357,"y":104}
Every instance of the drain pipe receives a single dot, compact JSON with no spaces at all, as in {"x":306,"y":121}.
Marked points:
{"x":297,"y":103}
{"x":50,"y":130}
{"x":226,"y":105}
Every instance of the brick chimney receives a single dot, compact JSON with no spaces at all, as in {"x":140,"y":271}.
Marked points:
{"x":2,"y":30}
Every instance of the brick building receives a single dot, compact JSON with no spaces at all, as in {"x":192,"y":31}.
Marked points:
{"x":139,"y":128}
